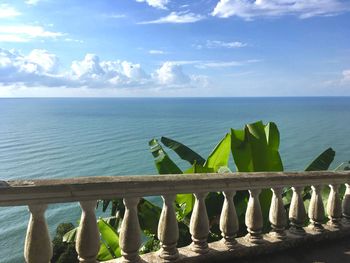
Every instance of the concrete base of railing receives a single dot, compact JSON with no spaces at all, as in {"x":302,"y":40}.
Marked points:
{"x":218,"y":252}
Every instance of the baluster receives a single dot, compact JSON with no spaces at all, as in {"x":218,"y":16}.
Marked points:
{"x":334,"y":210}
{"x":254,"y":218}
{"x":130,"y":232}
{"x":199,"y":225}
{"x":277,"y":214}
{"x":316,"y":209}
{"x":168,"y":230}
{"x":297,"y":213}
{"x":228,"y":220}
{"x":346,"y":205}
{"x":88,"y":238}
{"x":37,"y":247}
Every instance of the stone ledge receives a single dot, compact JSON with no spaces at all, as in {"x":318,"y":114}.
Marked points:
{"x":218,"y":252}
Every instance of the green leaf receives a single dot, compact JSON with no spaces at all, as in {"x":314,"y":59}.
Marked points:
{"x":322,"y":162}
{"x":255,"y":149}
{"x":163,"y":162}
{"x":109,"y":243}
{"x":183,"y":151}
{"x":70,"y":236}
{"x":186,"y":203}
{"x":220,"y":155}
{"x":149,"y":215}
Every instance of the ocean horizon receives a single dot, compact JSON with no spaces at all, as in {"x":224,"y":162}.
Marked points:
{"x":44,"y":138}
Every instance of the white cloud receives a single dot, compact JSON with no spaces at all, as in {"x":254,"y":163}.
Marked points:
{"x":218,"y":44}
{"x":156,"y":52}
{"x":32,"y":2}
{"x":24,"y":33}
{"x":161,"y":4}
{"x":7,"y":11}
{"x":44,"y":61}
{"x":249,"y":9}
{"x":67,"y":39}
{"x":202,"y":64}
{"x":171,"y":74}
{"x":346,"y":76}
{"x":176,"y":18}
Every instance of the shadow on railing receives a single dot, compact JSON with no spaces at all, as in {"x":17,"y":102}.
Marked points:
{"x":37,"y":194}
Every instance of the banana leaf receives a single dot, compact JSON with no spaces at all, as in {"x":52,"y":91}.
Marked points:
{"x":109,"y":242}
{"x":162,"y":160}
{"x":220,"y":156}
{"x":322,"y":162}
{"x":183,"y":151}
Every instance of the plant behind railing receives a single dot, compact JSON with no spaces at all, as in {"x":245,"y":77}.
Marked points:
{"x":254,"y":149}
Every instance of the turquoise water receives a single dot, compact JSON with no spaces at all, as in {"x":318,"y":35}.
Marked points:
{"x":60,"y":138}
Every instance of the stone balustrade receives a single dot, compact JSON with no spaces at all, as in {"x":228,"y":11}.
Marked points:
{"x":37,"y":194}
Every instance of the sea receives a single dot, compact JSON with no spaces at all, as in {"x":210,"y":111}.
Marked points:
{"x":70,"y":137}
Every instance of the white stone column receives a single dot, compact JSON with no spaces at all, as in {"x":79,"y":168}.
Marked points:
{"x":316,"y":209}
{"x":277,"y":214}
{"x":297,"y":213}
{"x":254,"y":218}
{"x":37,"y":246}
{"x":88,"y":237}
{"x":346,"y":205}
{"x":130,"y":232}
{"x":228,"y":220}
{"x":168,"y":230}
{"x":334,"y":209}
{"x":199,"y":225}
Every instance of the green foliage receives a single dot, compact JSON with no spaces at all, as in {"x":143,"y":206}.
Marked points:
{"x":109,"y":242}
{"x":322,"y":162}
{"x":183,"y":151}
{"x":255,"y":148}
{"x":162,"y":160}
{"x":63,"y":252}
{"x":220,"y":156}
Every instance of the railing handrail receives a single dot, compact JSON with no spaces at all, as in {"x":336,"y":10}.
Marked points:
{"x":25,"y":192}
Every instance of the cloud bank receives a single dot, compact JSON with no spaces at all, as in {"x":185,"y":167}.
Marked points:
{"x":40,"y":68}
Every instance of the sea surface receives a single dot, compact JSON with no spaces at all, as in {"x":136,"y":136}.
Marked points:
{"x":61,"y":138}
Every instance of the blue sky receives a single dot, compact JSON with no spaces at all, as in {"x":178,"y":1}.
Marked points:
{"x":174,"y":48}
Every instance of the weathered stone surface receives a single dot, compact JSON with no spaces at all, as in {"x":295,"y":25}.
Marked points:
{"x":130,"y":232}
{"x":254,"y":218}
{"x":244,"y":250}
{"x":199,"y":225}
{"x":109,"y":187}
{"x":229,"y":224}
{"x":37,"y":247}
{"x":88,"y":238}
{"x":168,"y":230}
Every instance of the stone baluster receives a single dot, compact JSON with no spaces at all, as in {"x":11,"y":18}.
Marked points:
{"x":130,"y":232}
{"x":88,"y":238}
{"x":297,"y":213}
{"x":228,"y":220}
{"x":334,"y":209}
{"x":199,"y":225}
{"x":37,"y":247}
{"x":168,"y":230}
{"x":277,"y":214}
{"x":316,"y":209}
{"x":254,"y":218}
{"x":346,"y":205}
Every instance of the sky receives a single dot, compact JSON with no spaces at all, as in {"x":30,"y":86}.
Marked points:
{"x":174,"y":48}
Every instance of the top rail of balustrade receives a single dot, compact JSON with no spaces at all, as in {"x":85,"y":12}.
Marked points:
{"x":24,"y":192}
